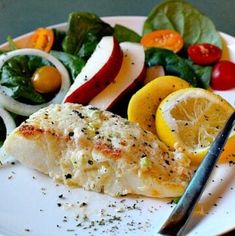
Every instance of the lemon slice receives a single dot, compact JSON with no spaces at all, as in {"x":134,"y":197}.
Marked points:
{"x":143,"y":104}
{"x":190,"y":119}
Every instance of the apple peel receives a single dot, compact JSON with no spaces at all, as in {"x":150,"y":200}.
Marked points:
{"x":132,"y":71}
{"x":99,"y":71}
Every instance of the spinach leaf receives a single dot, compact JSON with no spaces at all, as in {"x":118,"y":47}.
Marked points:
{"x":122,"y":34}
{"x":89,"y":45}
{"x":203,"y":73}
{"x":16,"y":75}
{"x":182,"y":17}
{"x":196,"y":75}
{"x":172,"y":63}
{"x":73,"y":63}
{"x":84,"y":32}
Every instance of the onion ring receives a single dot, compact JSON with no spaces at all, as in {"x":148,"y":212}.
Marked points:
{"x":23,"y":109}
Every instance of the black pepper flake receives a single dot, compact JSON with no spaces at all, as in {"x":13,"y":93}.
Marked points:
{"x":206,"y":117}
{"x":93,"y":108}
{"x":83,"y":204}
{"x":143,"y":155}
{"x":68,"y":176}
{"x":167,"y":162}
{"x":27,"y":230}
{"x":79,"y":114}
{"x":59,"y":204}
{"x":90,"y":162}
{"x":71,"y":134}
{"x":61,"y":196}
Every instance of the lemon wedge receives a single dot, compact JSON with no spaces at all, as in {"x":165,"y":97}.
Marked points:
{"x":189,"y":120}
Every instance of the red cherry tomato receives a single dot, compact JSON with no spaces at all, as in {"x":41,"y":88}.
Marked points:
{"x":223,"y":75}
{"x":204,"y":54}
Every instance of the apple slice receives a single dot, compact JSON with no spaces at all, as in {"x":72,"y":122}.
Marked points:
{"x":99,"y":71}
{"x":132,"y":71}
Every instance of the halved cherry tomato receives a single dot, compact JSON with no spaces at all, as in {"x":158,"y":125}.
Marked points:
{"x":223,"y":75}
{"x":204,"y":53}
{"x":167,"y":38}
{"x":46,"y":79}
{"x":42,"y":39}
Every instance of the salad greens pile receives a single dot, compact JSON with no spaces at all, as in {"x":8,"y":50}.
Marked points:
{"x":16,"y":75}
{"x":196,"y":75}
{"x":194,"y":27}
{"x":72,"y":48}
{"x":182,"y":17}
{"x":85,"y":30}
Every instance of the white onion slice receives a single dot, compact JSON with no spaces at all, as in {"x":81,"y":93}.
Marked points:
{"x":25,"y":109}
{"x":10,"y":126}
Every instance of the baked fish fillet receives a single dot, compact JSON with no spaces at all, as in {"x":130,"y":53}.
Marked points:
{"x":98,"y":150}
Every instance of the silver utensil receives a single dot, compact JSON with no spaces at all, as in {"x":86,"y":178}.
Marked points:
{"x":179,"y":217}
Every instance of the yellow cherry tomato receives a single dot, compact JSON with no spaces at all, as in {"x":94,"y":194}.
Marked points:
{"x":46,"y":79}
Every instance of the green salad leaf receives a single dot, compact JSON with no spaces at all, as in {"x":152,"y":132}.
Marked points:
{"x":73,"y":64}
{"x":203,"y":73}
{"x":84,"y":32}
{"x":196,"y":75}
{"x":182,"y":17}
{"x":172,"y":63}
{"x":123,"y":34}
{"x":16,"y":75}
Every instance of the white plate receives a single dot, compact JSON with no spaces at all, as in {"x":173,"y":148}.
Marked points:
{"x":32,"y":204}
